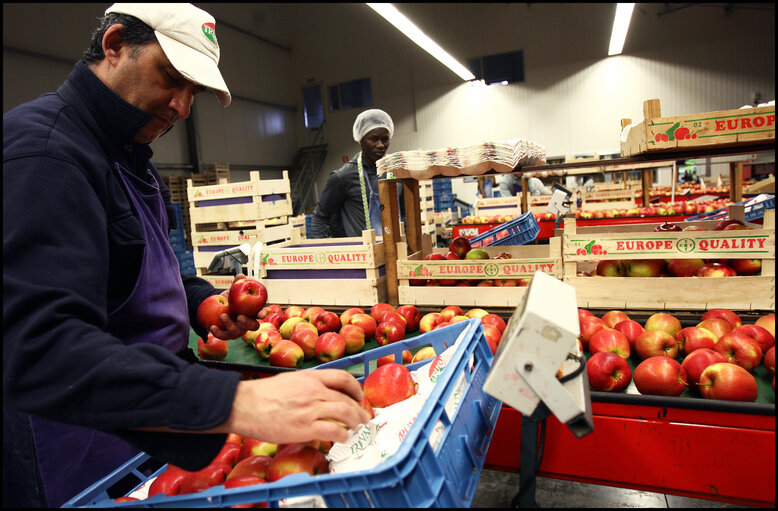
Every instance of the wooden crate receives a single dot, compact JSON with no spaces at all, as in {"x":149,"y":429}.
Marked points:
{"x":488,"y":206}
{"x":525,"y":261}
{"x":582,"y":246}
{"x":330,"y":271}
{"x":220,"y":282}
{"x":655,"y":134}
{"x":608,"y":199}
{"x":766,"y":185}
{"x":241,"y":201}
{"x":206,"y":243}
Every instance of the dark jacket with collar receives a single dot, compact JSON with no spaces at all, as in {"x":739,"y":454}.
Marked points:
{"x":72,"y":250}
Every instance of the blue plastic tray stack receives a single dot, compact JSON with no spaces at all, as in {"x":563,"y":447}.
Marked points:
{"x":442,"y":197}
{"x":178,"y":242}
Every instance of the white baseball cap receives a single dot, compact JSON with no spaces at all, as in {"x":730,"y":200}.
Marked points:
{"x":187,"y":35}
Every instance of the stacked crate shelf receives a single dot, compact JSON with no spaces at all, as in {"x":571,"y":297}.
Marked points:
{"x":427,"y":208}
{"x":443,"y":196}
{"x":178,"y":242}
{"x":226,"y":215}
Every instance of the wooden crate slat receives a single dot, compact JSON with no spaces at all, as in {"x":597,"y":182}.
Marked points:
{"x":346,"y":292}
{"x":472,"y":296}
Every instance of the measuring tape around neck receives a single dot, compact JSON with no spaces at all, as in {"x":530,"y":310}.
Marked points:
{"x":365,"y":205}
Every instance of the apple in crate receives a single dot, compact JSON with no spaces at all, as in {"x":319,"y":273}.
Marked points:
{"x":716,"y":270}
{"x":727,"y":221}
{"x":212,"y":349}
{"x":762,"y":337}
{"x":696,"y":362}
{"x":330,"y":346}
{"x":327,"y":322}
{"x":268,"y":310}
{"x":378,"y":310}
{"x":393,"y":316}
{"x":493,"y":337}
{"x":644,"y":267}
{"x":767,"y":322}
{"x":769,"y":360}
{"x":212,"y":475}
{"x":589,"y":325}
{"x":477,"y":253}
{"x":608,"y":372}
{"x":287,"y":327}
{"x":296,"y":459}
{"x":729,"y":382}
{"x":389,"y":331}
{"x":716,"y":326}
{"x":663,"y":321}
{"x":693,"y":338}
{"x":476,"y":313}
{"x":285,"y":353}
{"x":366,"y":323}
{"x":304,"y":325}
{"x":411,"y":315}
{"x":613,"y":317}
{"x":353,"y":337}
{"x":739,"y":349}
{"x":251,"y":466}
{"x":449,"y":312}
{"x":241,"y":481}
{"x":345,"y":317}
{"x":389,"y":384}
{"x":247,"y":297}
{"x":255,"y":447}
{"x":311,"y":312}
{"x":494,"y":319}
{"x":407,"y":357}
{"x":610,"y":269}
{"x":660,"y":376}
{"x":429,"y":321}
{"x":210,"y":310}
{"x":582,"y":313}
{"x":684,"y":267}
{"x":294,"y":311}
{"x":727,"y":315}
{"x":631,"y":330}
{"x":305,"y":339}
{"x":274,"y":318}
{"x":459,"y":246}
{"x":610,"y":340}
{"x":229,"y":453}
{"x":746,"y":266}
{"x":655,"y":343}
{"x":265,"y":341}
{"x":168,"y":482}
{"x":423,"y":354}
{"x":434,"y":256}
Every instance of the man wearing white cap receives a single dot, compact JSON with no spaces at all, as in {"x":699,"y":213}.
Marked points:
{"x":349,"y":203}
{"x":96,"y":314}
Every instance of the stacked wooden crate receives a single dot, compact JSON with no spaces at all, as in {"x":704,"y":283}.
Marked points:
{"x":226,"y":215}
{"x":427,"y":209}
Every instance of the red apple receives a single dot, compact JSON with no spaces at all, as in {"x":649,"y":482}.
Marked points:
{"x":449,"y":312}
{"x":366,"y":323}
{"x":327,"y":322}
{"x":393,"y":316}
{"x":608,"y":339}
{"x":255,"y":447}
{"x":378,"y":310}
{"x":739,"y":349}
{"x":493,"y":336}
{"x":287,"y":327}
{"x":663,"y":321}
{"x":411,"y":315}
{"x":286,"y":353}
{"x":296,"y":459}
{"x":660,"y":376}
{"x":724,"y":223}
{"x":694,"y":338}
{"x":769,"y":360}
{"x":460,"y":246}
{"x":210,"y":310}
{"x":212,"y":349}
{"x":388,"y":384}
{"x":589,"y":325}
{"x":631,"y":330}
{"x":234,"y":438}
{"x":684,"y":267}
{"x":345,"y":318}
{"x":388,"y":332}
{"x":494,"y":319}
{"x":655,"y":343}
{"x":728,"y":382}
{"x":746,"y":266}
{"x":354,"y":338}
{"x":608,"y":372}
{"x":423,"y":354}
{"x":305,"y":339}
{"x":330,"y":346}
{"x":667,"y":227}
{"x":716,"y":326}
{"x":610,"y":269}
{"x":212,"y":475}
{"x":168,"y":482}
{"x":696,"y":362}
{"x":293,"y":311}
{"x":126,"y":498}
{"x":304,"y":325}
{"x":407,"y":356}
{"x":614,"y":317}
{"x":442,"y":324}
{"x":434,"y":256}
{"x":268,"y":310}
{"x":247,"y":296}
{"x":485,"y":283}
{"x":582,"y":313}
{"x":311,"y":312}
{"x":644,"y":267}
{"x":763,"y":338}
{"x":725,"y":314}
{"x":451,"y":256}
{"x":716,"y":270}
{"x":506,"y":282}
{"x":229,"y":453}
{"x":767,"y":322}
{"x":265,"y":341}
{"x":251,"y":466}
{"x":476,"y":313}
{"x":274,"y":318}
{"x":241,"y":481}
{"x":428,"y":322}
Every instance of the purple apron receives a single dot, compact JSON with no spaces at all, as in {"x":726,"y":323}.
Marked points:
{"x":71,"y":458}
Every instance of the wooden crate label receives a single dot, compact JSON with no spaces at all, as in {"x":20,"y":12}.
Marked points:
{"x":757,"y":246}
{"x":492,"y":269}
{"x":665,"y":131}
{"x":301,"y":259}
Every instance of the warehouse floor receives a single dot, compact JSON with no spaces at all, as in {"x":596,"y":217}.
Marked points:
{"x":496,"y":490}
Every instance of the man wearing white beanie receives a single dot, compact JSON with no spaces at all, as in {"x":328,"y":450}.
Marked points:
{"x":96,"y":315}
{"x":349,"y":203}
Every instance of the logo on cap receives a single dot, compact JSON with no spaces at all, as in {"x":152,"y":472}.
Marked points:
{"x":209,"y":29}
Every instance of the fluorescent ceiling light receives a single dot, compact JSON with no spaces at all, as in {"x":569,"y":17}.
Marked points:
{"x":620,"y":27}
{"x":406,"y":26}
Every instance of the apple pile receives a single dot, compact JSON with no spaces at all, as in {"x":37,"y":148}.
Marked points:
{"x":459,"y":249}
{"x":717,"y":357}
{"x":682,"y":267}
{"x":488,"y":219}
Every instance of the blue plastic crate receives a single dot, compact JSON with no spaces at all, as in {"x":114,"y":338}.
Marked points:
{"x":417,"y":475}
{"x":753,"y":209}
{"x":441,"y":184}
{"x":518,"y":231}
